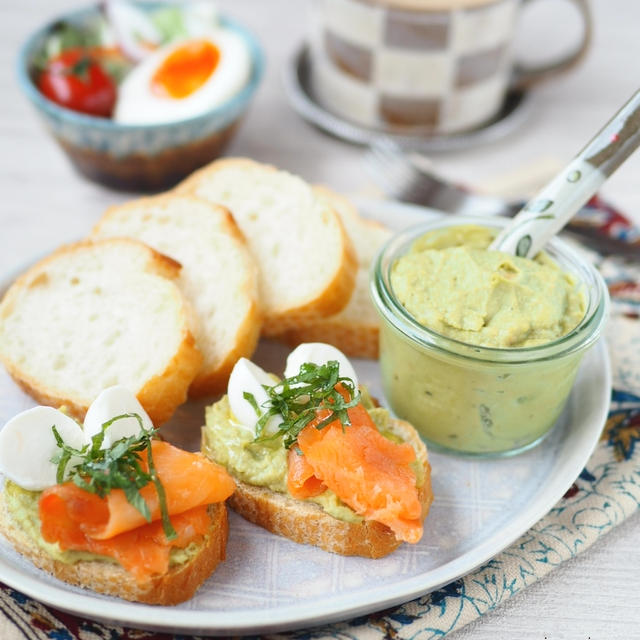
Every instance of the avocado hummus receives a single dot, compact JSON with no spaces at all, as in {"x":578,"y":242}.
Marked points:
{"x":264,"y":463}
{"x":22,"y":505}
{"x":457,"y":395}
{"x":451,"y":284}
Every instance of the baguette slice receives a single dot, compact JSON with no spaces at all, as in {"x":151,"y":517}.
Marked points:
{"x":355,"y":329}
{"x":218,"y":278}
{"x":96,"y":314}
{"x":306,"y":522}
{"x":177,"y":585}
{"x":307,"y":266}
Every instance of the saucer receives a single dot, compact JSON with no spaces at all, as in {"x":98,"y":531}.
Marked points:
{"x":514,"y":112}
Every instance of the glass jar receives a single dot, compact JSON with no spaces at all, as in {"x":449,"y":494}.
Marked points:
{"x":471,"y":399}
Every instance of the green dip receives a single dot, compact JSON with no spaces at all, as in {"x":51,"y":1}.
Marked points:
{"x":458,"y":395}
{"x":450,"y":283}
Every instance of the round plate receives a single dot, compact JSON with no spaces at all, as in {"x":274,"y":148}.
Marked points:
{"x":268,"y":583}
{"x":515,"y":110}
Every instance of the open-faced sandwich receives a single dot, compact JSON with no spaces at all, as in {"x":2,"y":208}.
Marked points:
{"x":314,"y":460}
{"x":108,"y":506}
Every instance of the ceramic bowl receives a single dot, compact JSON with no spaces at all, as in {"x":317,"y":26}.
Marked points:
{"x":138,"y":157}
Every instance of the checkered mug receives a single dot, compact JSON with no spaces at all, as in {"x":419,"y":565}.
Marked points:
{"x":422,"y":66}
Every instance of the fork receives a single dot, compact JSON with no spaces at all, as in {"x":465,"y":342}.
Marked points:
{"x":400,"y":178}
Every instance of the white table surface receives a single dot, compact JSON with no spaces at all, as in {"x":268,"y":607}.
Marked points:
{"x":44,"y":204}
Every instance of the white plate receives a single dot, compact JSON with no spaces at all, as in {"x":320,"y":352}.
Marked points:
{"x":268,"y":583}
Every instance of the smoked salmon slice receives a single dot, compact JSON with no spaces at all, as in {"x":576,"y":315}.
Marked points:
{"x":301,"y":480}
{"x":368,"y":472}
{"x":143,"y":551}
{"x":79,"y":520}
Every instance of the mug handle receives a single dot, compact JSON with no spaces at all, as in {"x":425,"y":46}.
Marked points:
{"x":525,"y":77}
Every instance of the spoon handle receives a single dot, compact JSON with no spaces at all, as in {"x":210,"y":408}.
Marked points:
{"x":553,"y":207}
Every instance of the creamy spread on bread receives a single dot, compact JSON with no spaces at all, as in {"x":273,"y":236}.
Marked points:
{"x":22,"y":505}
{"x":264,"y":464}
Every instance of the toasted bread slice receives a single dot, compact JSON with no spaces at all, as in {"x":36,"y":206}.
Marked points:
{"x":306,"y":262}
{"x":177,"y":585}
{"x":219,"y":277}
{"x":307,"y":523}
{"x":95,"y":314}
{"x":354,"y":330}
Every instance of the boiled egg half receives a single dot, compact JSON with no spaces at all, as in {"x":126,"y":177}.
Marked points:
{"x":248,"y":378}
{"x":319,"y":353}
{"x":27,"y":442}
{"x":248,"y":398}
{"x":111,"y":405}
{"x":184,"y":79}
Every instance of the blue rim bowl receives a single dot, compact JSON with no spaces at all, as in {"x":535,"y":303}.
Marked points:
{"x":138,"y":157}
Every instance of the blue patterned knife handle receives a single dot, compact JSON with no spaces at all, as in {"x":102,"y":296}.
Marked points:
{"x":543,"y":216}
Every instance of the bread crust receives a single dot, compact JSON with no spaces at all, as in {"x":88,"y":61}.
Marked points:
{"x":340,"y":283}
{"x":355,"y":341}
{"x":306,"y":522}
{"x":160,"y":395}
{"x":209,"y":380}
{"x":177,"y":585}
{"x":165,"y":392}
{"x":340,"y":203}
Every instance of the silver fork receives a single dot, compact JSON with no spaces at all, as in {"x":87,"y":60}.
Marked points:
{"x":393,"y":170}
{"x":399,"y":177}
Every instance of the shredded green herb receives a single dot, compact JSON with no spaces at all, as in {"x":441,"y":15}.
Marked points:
{"x":117,"y":467}
{"x":298,"y":398}
{"x":65,"y":35}
{"x":81,"y":69}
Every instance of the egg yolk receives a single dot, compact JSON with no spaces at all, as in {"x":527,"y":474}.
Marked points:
{"x":185,"y":69}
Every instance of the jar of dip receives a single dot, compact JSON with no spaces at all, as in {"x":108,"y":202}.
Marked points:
{"x":503,"y":396}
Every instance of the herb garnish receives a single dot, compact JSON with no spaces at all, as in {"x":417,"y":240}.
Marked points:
{"x":117,"y":467}
{"x":65,"y":35}
{"x":298,"y":398}
{"x":81,"y":68}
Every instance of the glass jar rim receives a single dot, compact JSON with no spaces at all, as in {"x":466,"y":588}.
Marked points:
{"x":579,"y":338}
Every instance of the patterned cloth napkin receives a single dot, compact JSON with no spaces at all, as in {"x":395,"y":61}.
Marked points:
{"x":605,"y":494}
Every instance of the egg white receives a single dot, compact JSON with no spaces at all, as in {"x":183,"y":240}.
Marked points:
{"x":248,"y":377}
{"x":319,"y":353}
{"x":111,"y":402}
{"x":137,"y":104}
{"x":27,"y":445}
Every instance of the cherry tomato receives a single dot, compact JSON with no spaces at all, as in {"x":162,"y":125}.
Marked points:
{"x":77,"y":81}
